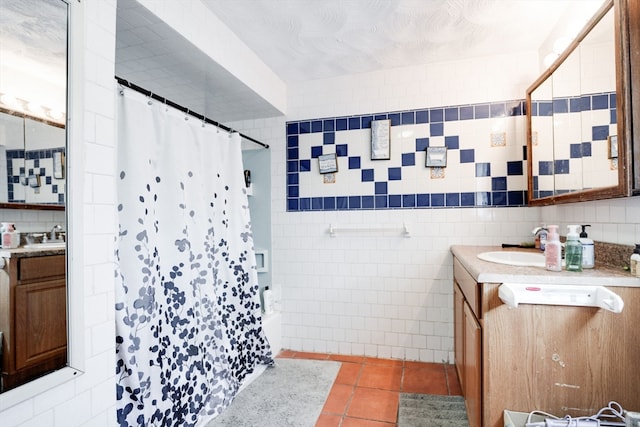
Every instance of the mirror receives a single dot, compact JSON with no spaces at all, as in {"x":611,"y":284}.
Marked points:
{"x":33,"y":91}
{"x":33,"y":145}
{"x":576,"y":132}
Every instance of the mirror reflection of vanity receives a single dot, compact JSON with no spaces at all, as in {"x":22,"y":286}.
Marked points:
{"x":33,"y":141}
{"x":578,"y":124}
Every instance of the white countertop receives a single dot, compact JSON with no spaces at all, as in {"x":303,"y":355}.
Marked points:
{"x":30,"y":252}
{"x":490,"y":272}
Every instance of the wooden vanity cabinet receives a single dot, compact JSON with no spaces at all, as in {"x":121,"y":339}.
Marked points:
{"x":33,"y":317}
{"x":564,"y":360}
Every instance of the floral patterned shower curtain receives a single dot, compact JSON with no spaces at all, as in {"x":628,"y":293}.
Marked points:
{"x":187,"y":307}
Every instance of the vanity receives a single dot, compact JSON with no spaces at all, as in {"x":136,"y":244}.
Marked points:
{"x":555,"y":358}
{"x":33,"y":314}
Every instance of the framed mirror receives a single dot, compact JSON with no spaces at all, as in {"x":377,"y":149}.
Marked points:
{"x":574,"y":112}
{"x":33,"y":144}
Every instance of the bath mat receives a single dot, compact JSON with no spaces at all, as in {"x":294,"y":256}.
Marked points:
{"x":430,"y":410}
{"x":292,"y":393}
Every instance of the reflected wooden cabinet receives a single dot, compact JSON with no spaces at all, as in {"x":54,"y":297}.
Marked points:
{"x":33,"y":318}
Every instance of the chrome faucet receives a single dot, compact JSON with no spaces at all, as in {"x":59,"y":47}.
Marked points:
{"x":537,"y":230}
{"x":52,"y":233}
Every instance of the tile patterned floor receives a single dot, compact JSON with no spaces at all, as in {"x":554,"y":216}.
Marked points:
{"x":366,"y":390}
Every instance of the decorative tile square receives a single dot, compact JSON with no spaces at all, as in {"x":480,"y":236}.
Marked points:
{"x":498,"y":139}
{"x":437,"y":173}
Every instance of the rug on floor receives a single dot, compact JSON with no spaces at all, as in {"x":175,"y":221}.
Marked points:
{"x":430,"y":410}
{"x":292,"y":393}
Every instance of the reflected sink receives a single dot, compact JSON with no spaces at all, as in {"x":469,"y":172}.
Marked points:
{"x":46,"y":245}
{"x":527,"y":259}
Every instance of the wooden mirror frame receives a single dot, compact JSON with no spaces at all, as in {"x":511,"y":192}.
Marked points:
{"x":623,"y":108}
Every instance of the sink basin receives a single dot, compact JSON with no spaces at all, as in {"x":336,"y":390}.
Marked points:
{"x":47,"y":245}
{"x":528,"y":259}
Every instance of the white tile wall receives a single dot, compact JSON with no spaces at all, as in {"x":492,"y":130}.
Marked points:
{"x":88,"y":400}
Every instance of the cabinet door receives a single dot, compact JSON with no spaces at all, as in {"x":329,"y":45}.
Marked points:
{"x":41,"y":322}
{"x":458,"y":333}
{"x":472,"y":367}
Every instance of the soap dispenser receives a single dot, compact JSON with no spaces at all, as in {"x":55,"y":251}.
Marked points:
{"x":588,"y":253}
{"x":553,"y":250}
{"x":573,"y":250}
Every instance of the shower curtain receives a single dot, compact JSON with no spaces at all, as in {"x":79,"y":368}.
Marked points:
{"x":188,"y":323}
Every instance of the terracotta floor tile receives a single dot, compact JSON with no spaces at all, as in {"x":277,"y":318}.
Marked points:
{"x":346,"y":358}
{"x":373,"y":404}
{"x":381,"y":376}
{"x":286,"y":354}
{"x":357,"y":422}
{"x":338,"y":398}
{"x":453,"y":381}
{"x":383,"y":362}
{"x":428,"y":381}
{"x":314,"y":356}
{"x":349,"y":373}
{"x":422,"y":365}
{"x":325,"y":420}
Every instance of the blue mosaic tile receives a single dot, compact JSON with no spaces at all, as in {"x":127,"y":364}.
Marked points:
{"x":354,"y":123}
{"x":380,"y":117}
{"x":293,"y":191}
{"x":328,"y":138}
{"x":586,"y":149}
{"x":467,"y":199}
{"x":585,"y":102}
{"x":561,"y":166}
{"x":453,"y":199}
{"x":467,"y":156}
{"x":575,"y":105}
{"x":316,"y":126}
{"x":575,"y":151}
{"x":395,"y":174}
{"x":316,"y":152}
{"x":342,"y":203}
{"x":367,"y":202}
{"x":329,"y":125}
{"x":545,"y":168}
{"x":524,"y":153}
{"x":483,"y":169}
{"x":292,"y":204}
{"x":354,"y":162}
{"x":342,"y":150}
{"x":293,"y":178}
{"x":367,"y":175}
{"x":305,"y":165}
{"x":437,"y":199}
{"x":545,"y":109}
{"x":292,"y":141}
{"x":515,"y":198}
{"x":499,"y":198}
{"x":423,"y":200}
{"x":481,"y":111}
{"x":305,"y":127}
{"x":422,"y":116}
{"x":599,"y":133}
{"x":600,"y":102}
{"x":355,"y":202}
{"x":612,"y":100}
{"x":515,"y":108}
{"x":437,"y":129}
{"x":381,"y":187}
{"x":409,"y":200}
{"x":560,"y":105}
{"x":408,"y":118}
{"x":395,"y":201}
{"x":498,"y":109}
{"x":483,"y":198}
{"x":613,"y":116}
{"x":436,"y":115}
{"x":381,"y":202}
{"x":328,"y":203}
{"x":451,"y":114}
{"x":341,"y":124}
{"x":466,"y":113}
{"x":422,"y":144}
{"x":293,"y":129}
{"x":395,"y":119}
{"x":408,"y":159}
{"x":292,"y":166}
{"x":515,"y":168}
{"x":292,"y":154}
{"x":366,"y":122}
{"x":452,"y":142}
{"x":499,"y":183}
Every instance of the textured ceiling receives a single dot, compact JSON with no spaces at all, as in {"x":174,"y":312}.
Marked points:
{"x":312,"y":39}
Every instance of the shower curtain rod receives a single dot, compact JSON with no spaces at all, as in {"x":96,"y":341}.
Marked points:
{"x":159,"y":98}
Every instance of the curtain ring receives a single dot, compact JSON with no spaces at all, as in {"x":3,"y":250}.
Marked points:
{"x":149,"y":102}
{"x":186,"y":117}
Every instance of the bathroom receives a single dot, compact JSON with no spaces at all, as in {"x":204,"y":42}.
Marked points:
{"x":375,"y":293}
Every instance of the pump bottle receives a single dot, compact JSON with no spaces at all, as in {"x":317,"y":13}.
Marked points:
{"x":553,"y":250}
{"x":588,"y":253}
{"x":573,"y":250}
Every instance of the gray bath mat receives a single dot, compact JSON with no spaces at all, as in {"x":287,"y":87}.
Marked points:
{"x":430,"y":410}
{"x":292,"y":394}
